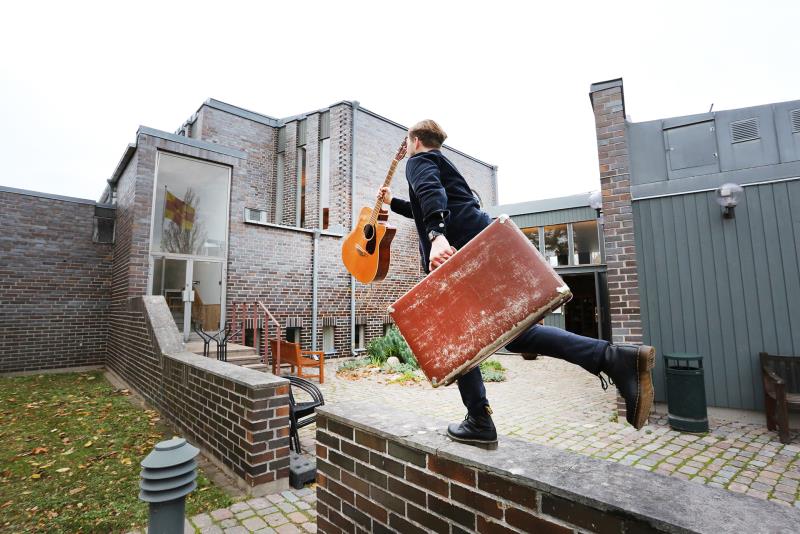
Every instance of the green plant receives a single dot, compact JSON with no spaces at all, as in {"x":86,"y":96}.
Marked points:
{"x":493,"y":371}
{"x":354,"y":364}
{"x":392,"y":344}
{"x":407,"y":376}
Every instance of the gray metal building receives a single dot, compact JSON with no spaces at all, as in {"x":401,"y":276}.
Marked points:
{"x":726,"y":287}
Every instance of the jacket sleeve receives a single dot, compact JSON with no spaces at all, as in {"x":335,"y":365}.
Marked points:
{"x":403,"y":207}
{"x":425,"y":179}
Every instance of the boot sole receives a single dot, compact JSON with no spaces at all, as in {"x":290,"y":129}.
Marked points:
{"x":645,"y":361}
{"x":486,"y":444}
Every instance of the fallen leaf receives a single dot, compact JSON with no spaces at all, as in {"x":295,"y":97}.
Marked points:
{"x":36,"y":475}
{"x":126,"y":461}
{"x":88,"y":444}
{"x":62,"y":470}
{"x":67,"y":453}
{"x":75,"y":491}
{"x":40,"y":450}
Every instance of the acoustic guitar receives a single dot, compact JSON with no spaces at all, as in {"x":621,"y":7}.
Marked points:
{"x":365,"y":250}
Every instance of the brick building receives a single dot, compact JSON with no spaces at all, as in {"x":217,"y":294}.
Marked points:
{"x":233,"y":207}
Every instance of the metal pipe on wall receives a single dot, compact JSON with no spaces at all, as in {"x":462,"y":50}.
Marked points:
{"x":353,"y":224}
{"x":314,"y":269}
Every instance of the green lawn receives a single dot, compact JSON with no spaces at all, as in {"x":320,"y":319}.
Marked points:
{"x":70,"y":447}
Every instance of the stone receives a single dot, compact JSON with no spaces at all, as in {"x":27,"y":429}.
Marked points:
{"x":221,"y":514}
{"x":202,"y":520}
{"x":254,"y":523}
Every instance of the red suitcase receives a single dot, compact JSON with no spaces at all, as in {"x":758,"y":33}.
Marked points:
{"x":478,"y":301}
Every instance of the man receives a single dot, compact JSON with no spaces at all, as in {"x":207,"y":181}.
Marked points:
{"x":447,"y":216}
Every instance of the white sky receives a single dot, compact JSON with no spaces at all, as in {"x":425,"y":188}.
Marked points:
{"x":509,"y":82}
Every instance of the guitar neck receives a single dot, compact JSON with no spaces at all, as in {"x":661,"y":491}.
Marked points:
{"x":379,"y":202}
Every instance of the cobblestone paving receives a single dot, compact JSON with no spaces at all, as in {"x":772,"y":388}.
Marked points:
{"x":553,"y":403}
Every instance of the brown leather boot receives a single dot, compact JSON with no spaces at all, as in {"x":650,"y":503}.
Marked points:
{"x":629,"y":367}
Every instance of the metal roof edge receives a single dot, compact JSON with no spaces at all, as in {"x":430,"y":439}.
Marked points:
{"x":123,"y":163}
{"x":580,"y":200}
{"x":26,"y":192}
{"x":196,"y":143}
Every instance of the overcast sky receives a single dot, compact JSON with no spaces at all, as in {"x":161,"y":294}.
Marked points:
{"x":508,"y":83}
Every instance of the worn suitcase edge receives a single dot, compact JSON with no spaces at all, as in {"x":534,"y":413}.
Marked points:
{"x":505,"y":339}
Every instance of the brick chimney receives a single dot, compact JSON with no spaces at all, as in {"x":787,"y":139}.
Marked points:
{"x":608,"y":104}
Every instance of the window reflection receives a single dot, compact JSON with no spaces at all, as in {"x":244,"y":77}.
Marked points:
{"x":585,"y":243}
{"x":191,"y":210}
{"x":556,"y":245}
{"x":533,"y":235}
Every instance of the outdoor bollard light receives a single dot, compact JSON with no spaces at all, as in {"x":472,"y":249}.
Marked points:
{"x":168,"y":476}
{"x":727,"y":196}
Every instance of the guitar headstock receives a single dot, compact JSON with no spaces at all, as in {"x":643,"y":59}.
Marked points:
{"x":401,"y":152}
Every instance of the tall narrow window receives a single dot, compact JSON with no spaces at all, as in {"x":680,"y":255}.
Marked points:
{"x":586,"y":245}
{"x":361,"y":331}
{"x":301,"y":187}
{"x":280,"y":168}
{"x":300,"y":219}
{"x":324,"y":170}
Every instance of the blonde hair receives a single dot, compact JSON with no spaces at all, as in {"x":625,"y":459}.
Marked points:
{"x":429,"y":133}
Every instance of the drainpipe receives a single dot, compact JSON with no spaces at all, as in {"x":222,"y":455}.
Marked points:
{"x":353,"y":225}
{"x":314,"y":267}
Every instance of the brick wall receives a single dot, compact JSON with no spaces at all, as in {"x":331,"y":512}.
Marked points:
{"x":380,"y":470}
{"x":55,"y":284}
{"x":612,"y":149}
{"x":238,"y":416}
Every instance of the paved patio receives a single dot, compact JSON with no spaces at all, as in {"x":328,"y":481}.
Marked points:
{"x":552,"y":403}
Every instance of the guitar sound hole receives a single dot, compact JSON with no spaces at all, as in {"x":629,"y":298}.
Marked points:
{"x":369,"y":232}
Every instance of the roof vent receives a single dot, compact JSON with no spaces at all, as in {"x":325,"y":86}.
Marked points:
{"x":746,"y":130}
{"x":794,"y":115}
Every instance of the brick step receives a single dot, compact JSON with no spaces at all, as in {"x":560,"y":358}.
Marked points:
{"x":244,"y":359}
{"x":256,"y":366}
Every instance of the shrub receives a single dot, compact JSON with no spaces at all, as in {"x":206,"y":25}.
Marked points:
{"x":493,"y":371}
{"x":392,"y":344}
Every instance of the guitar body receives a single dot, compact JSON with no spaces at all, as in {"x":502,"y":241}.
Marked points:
{"x":366,"y":250}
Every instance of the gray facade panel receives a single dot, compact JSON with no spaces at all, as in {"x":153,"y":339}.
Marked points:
{"x":554,"y":217}
{"x":724,"y":288}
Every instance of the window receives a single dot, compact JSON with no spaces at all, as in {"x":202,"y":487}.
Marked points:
{"x":585,"y":243}
{"x":280,"y":169}
{"x":386,"y":328}
{"x":556,"y":245}
{"x":360,"y":333}
{"x":103,"y":231}
{"x":324,"y":182}
{"x":327,"y":339}
{"x":301,"y":187}
{"x":533,"y":235}
{"x":190,"y":213}
{"x":293,"y":334}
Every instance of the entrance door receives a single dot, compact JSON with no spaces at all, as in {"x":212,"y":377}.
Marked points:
{"x":193,"y":291}
{"x":581,"y":313}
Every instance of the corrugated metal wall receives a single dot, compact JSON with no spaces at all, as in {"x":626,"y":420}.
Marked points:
{"x":724,"y":288}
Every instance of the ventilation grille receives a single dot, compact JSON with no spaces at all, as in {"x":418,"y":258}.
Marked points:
{"x":794,"y":115}
{"x":103,"y":230}
{"x":746,"y":130}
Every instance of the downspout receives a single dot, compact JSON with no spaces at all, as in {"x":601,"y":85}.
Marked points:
{"x":314,"y":267}
{"x":353,"y":225}
{"x":494,"y":182}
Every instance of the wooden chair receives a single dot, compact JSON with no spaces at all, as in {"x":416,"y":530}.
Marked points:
{"x":294,"y":356}
{"x":781,"y":377}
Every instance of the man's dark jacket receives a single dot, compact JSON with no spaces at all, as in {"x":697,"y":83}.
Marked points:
{"x":441,"y":200}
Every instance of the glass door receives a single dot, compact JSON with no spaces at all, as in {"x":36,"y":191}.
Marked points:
{"x":193,"y":291}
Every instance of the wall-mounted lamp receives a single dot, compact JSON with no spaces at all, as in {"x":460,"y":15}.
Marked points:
{"x":727,"y":196}
{"x":596,"y":203}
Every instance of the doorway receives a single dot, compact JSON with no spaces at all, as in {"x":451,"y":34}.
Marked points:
{"x":193,"y":291}
{"x":587,"y":312}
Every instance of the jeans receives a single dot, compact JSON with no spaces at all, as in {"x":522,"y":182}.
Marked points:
{"x":551,"y":341}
